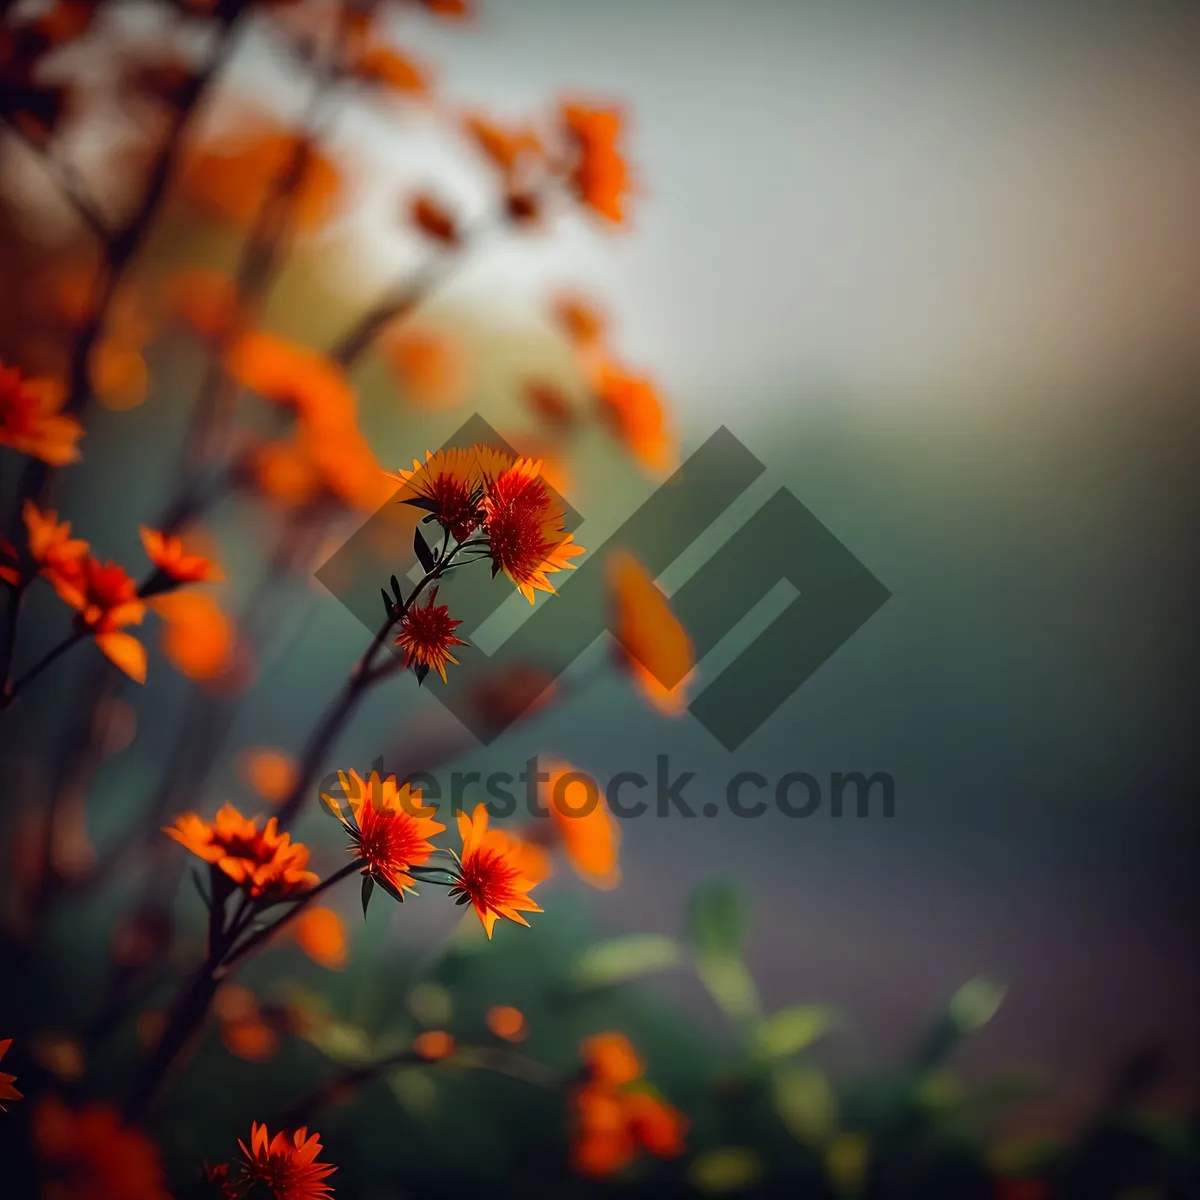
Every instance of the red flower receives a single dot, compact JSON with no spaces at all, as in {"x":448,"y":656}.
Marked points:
{"x":286,"y":1166}
{"x":427,"y":635}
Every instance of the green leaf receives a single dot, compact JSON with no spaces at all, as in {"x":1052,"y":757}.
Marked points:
{"x":424,"y":554}
{"x":729,"y":1169}
{"x":368,"y":887}
{"x":388,"y":605}
{"x":791,"y":1030}
{"x":396,"y":591}
{"x":805,"y":1103}
{"x":719,"y":920}
{"x":976,"y":1003}
{"x":430,"y":506}
{"x":731,"y":985}
{"x":622,"y":959}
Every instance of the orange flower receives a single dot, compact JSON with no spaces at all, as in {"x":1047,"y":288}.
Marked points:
{"x":429,"y":364}
{"x":51,"y":546}
{"x":450,"y":9}
{"x":229,"y":177}
{"x":320,"y":934}
{"x":450,"y":485}
{"x":507,"y":1022}
{"x":198,"y":638}
{"x":657,"y":649}
{"x":270,"y":772}
{"x":599,"y":175}
{"x":490,"y":875}
{"x":205,"y":299}
{"x":426,"y":637}
{"x":433,"y":1044}
{"x":30,"y":421}
{"x":266,"y":863}
{"x":315,"y":467}
{"x":286,"y":1166}
{"x":434,"y":219}
{"x":549,"y":403}
{"x":381,"y":64}
{"x":106,"y":599}
{"x":633,"y":410}
{"x":524,"y":523}
{"x":609,"y":1058}
{"x":388,"y":826}
{"x":91,"y":1155}
{"x":118,"y":374}
{"x":505,"y":148}
{"x":166,"y":552}
{"x":295,"y":376}
{"x":589,"y":833}
{"x":580,"y":320}
{"x":7,"y":1091}
{"x":615,"y":1113}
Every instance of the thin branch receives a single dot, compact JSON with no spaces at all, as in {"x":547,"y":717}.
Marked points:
{"x":70,"y":183}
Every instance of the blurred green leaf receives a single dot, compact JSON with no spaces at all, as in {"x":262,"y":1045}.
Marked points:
{"x":805,"y":1103}
{"x":731,"y":985}
{"x":341,"y":1041}
{"x":431,"y":1004}
{"x":846,"y":1160}
{"x":719,"y":921}
{"x":621,"y":959}
{"x":414,"y":1088}
{"x":728,"y":1169}
{"x":976,"y":1003}
{"x":791,"y":1030}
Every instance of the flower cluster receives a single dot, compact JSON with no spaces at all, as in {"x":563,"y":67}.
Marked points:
{"x":390,"y":837}
{"x":265,"y":863}
{"x":615,"y":1113}
{"x":106,"y":599}
{"x":285,"y":1166}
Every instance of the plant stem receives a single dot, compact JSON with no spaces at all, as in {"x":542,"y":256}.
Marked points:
{"x":11,"y":690}
{"x":189,"y":1012}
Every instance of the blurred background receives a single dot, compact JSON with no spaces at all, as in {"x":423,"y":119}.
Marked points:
{"x":937,"y":268}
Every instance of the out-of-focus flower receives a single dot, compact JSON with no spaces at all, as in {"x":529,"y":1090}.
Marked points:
{"x":30,"y":420}
{"x":548,"y":402}
{"x":450,"y":484}
{"x":229,"y":177}
{"x":245,"y":1030}
{"x":204,"y":299}
{"x":599,"y":173}
{"x":106,"y":599}
{"x":448,"y":9}
{"x":507,"y":1022}
{"x":433,"y":1044}
{"x":583,"y":323}
{"x":271,"y":772}
{"x":610,"y":1058}
{"x":166,"y":552}
{"x":589,"y":834}
{"x":286,"y":1165}
{"x":61,"y":1055}
{"x":319,"y":932}
{"x":615,"y":1113}
{"x":399,"y":72}
{"x":633,"y":410}
{"x":433,"y":219}
{"x":91,"y":1155}
{"x":656,"y":647}
{"x":429,"y":365}
{"x":506,"y":148}
{"x":7,"y":1091}
{"x":427,"y":637}
{"x":389,"y":827}
{"x":321,"y":467}
{"x":54,"y":551}
{"x":65,"y":21}
{"x":198,"y":638}
{"x":118,"y":374}
{"x":506,"y":694}
{"x":265,"y":863}
{"x":524,"y":524}
{"x":489,"y":874}
{"x":295,"y":376}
